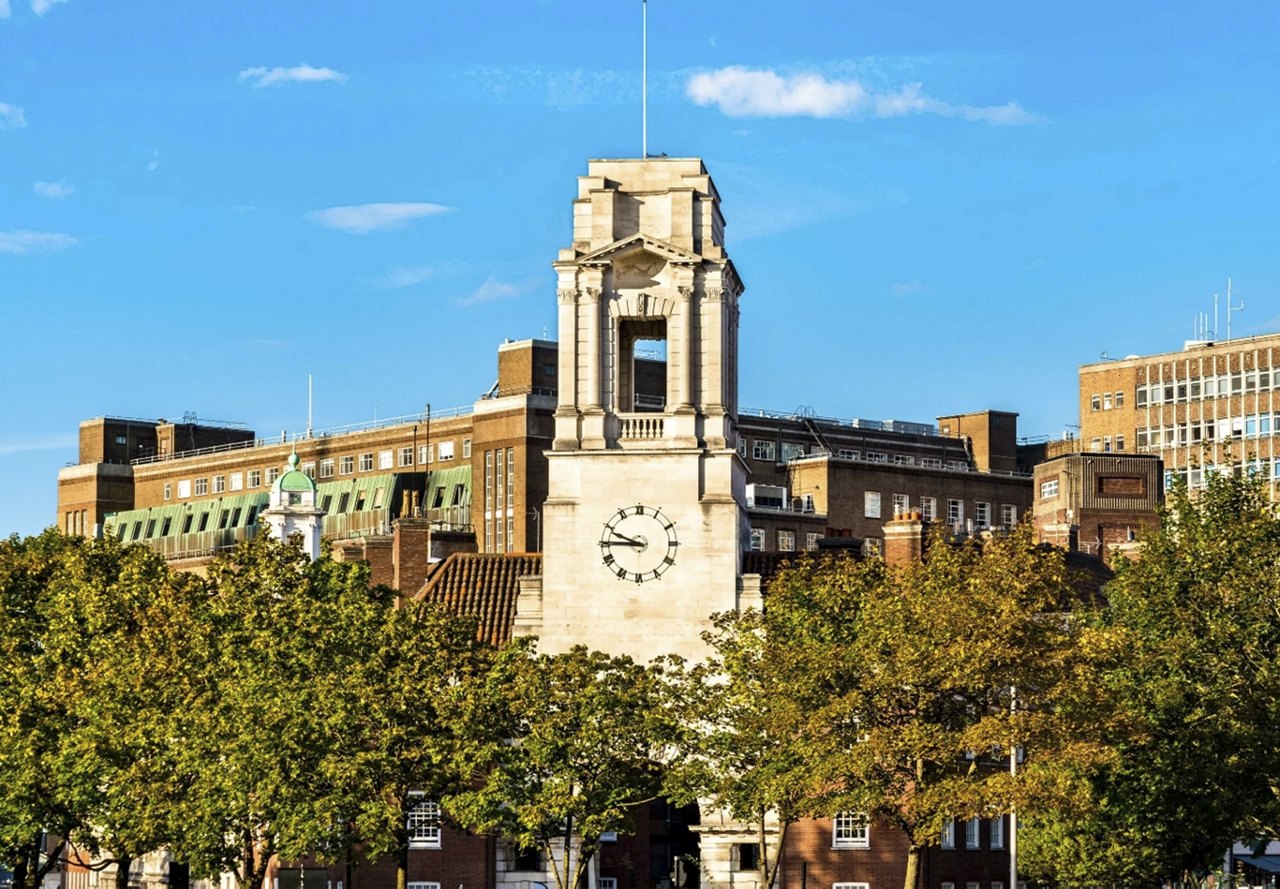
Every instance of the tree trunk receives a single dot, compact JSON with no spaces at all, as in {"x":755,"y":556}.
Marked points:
{"x":123,"y":863}
{"x":20,"y":871}
{"x":402,"y":863}
{"x":913,"y":867}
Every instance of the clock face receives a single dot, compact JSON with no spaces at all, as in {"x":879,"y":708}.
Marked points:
{"x":638,"y":543}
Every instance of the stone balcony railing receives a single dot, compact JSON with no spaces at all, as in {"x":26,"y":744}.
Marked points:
{"x":643,"y":429}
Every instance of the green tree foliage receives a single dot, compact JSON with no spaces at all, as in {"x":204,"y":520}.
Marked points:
{"x":409,"y":728}
{"x":33,"y":721}
{"x":1194,"y":629}
{"x":266,"y":653}
{"x":585,"y":735}
{"x":887,"y":690}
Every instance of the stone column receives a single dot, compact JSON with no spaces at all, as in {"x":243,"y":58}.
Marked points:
{"x":567,"y":432}
{"x":682,"y":429}
{"x":714,"y":370}
{"x":592,"y":358}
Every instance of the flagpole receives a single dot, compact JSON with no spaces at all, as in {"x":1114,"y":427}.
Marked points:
{"x":644,"y":78}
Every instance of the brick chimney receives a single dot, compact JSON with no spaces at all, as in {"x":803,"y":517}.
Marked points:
{"x":904,"y":538}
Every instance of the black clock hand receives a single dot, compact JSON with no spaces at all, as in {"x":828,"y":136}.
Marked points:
{"x":631,"y":541}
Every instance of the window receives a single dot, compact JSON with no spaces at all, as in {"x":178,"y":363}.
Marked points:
{"x":385,"y":458}
{"x":406,"y":456}
{"x":1008,"y":514}
{"x":273,"y":473}
{"x":871,"y":504}
{"x":1095,"y":444}
{"x":219,"y":484}
{"x":446,"y":450}
{"x":466,"y":455}
{"x":757,"y":540}
{"x":423,"y":452}
{"x":742,"y":448}
{"x":366,"y":462}
{"x":929,"y":508}
{"x":527,"y":859}
{"x":901,"y":503}
{"x":326,"y":468}
{"x":1140,"y":397}
{"x":412,"y":884}
{"x":850,"y":886}
{"x":876,"y":457}
{"x":237,"y":481}
{"x":1119,"y":400}
{"x":791,"y":451}
{"x":872,"y":546}
{"x":309,"y":469}
{"x":255,"y":478}
{"x":997,"y":833}
{"x":168,"y":490}
{"x":948,"y":886}
{"x":459,"y":491}
{"x":949,"y":833}
{"x":847,"y":454}
{"x":903,"y":460}
{"x":184,"y":488}
{"x":606,"y":882}
{"x":1049,"y":489}
{"x":982,"y":514}
{"x":762,"y":450}
{"x":931,"y":462}
{"x":971,"y":840}
{"x":811,"y":541}
{"x":202,"y":487}
{"x":120,"y":439}
{"x":1106,"y":401}
{"x":1106,"y":444}
{"x":744,"y":856}
{"x":786,"y":541}
{"x":1095,"y":402}
{"x":955,"y":512}
{"x":849,"y":830}
{"x":424,"y":825}
{"x":1119,"y":442}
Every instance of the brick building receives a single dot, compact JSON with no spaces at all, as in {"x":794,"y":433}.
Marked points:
{"x":1212,"y":404}
{"x":496,"y":509}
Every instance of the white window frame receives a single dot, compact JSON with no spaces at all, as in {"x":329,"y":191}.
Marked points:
{"x":764,"y":450}
{"x":255,"y":478}
{"x":786,"y":541}
{"x":201,"y":488}
{"x":366,"y":461}
{"x":757,"y":540}
{"x":949,"y":833}
{"x":412,"y":884}
{"x":386,"y":459}
{"x":406,"y":456}
{"x":1049,"y":489}
{"x":972,"y":833}
{"x":850,"y":886}
{"x":327,"y":467}
{"x":850,"y":830}
{"x":466,"y":455}
{"x":606,"y":883}
{"x":168,"y":490}
{"x":871,"y":504}
{"x":811,"y":541}
{"x":997,"y":832}
{"x":237,"y":481}
{"x":901,"y":503}
{"x":423,"y":823}
{"x":445,"y":450}
{"x":955,"y":512}
{"x":929,"y":508}
{"x":982,"y":514}
{"x":219,"y":484}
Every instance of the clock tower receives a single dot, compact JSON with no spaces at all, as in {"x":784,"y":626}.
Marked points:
{"x":644,"y":520}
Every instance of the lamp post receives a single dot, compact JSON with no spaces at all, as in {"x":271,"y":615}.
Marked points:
{"x":1013,"y":812}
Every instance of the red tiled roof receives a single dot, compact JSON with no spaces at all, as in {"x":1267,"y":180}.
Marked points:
{"x":484,"y":585}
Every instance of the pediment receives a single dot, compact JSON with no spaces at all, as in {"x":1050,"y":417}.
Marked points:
{"x":639,"y":243}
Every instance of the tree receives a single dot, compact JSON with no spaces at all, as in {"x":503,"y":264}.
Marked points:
{"x":586,"y":735}
{"x":1195,"y":621}
{"x":408,"y":732}
{"x":888,"y":691}
{"x":276,"y":635}
{"x":115,"y":635}
{"x":33,"y":721}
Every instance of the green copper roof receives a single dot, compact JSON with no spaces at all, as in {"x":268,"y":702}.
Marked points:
{"x":295,"y":479}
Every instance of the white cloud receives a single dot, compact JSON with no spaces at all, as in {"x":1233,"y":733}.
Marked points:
{"x":914,"y":287}
{"x":54,"y":191}
{"x":493,"y":290}
{"x":23,"y":241}
{"x":406,"y":276}
{"x":747,"y":92}
{"x":40,"y":7}
{"x":11,"y":117}
{"x":4,"y":9}
{"x":303,"y":73}
{"x":361,"y":219}
{"x":49,"y":443}
{"x":154,"y":163}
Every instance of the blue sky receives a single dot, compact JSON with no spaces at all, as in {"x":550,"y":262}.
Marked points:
{"x":936,"y":207}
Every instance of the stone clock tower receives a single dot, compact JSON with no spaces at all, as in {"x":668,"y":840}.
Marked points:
{"x":644,"y":520}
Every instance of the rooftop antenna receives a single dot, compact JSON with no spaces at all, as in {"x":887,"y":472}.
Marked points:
{"x":308,"y":405}
{"x":1231,"y":308}
{"x":644,"y":78}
